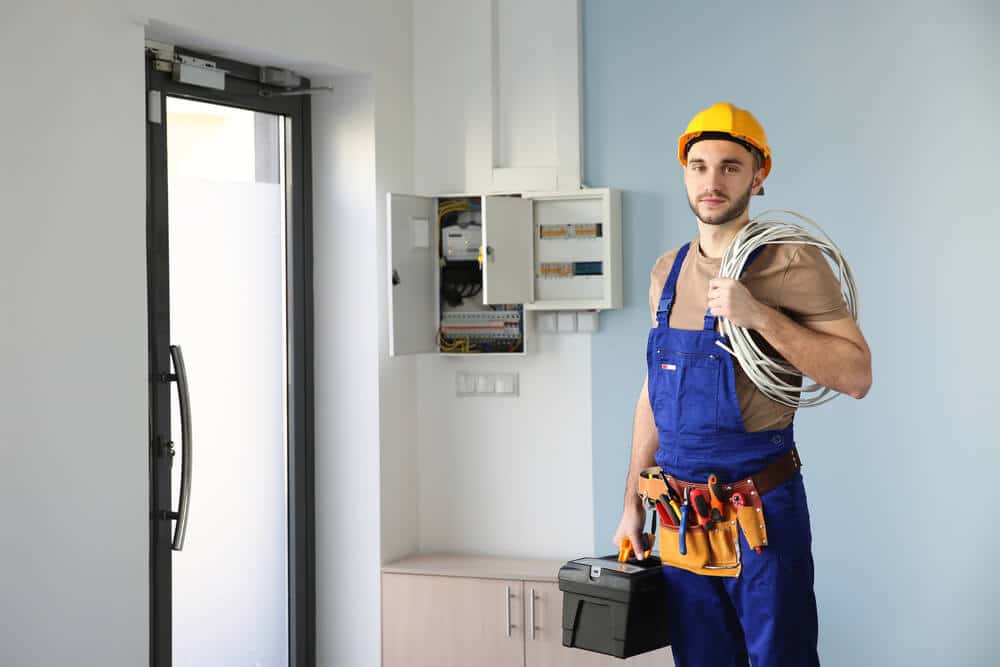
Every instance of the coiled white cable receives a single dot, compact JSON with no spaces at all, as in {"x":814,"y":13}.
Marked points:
{"x":766,"y":372}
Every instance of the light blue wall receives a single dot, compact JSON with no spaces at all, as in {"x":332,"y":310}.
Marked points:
{"x":883,"y":122}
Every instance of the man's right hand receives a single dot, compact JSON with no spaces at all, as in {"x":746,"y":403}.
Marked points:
{"x":632,"y":522}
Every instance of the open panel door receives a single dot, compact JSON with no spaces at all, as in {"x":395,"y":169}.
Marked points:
{"x":412,"y":302}
{"x":507,"y":264}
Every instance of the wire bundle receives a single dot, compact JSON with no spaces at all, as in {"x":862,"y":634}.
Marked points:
{"x":448,"y":206}
{"x":769,"y":374}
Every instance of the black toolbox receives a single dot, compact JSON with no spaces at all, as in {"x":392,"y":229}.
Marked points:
{"x":614,"y":608}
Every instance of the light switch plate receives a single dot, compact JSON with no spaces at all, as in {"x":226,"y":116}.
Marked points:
{"x":465,"y":384}
{"x":567,"y":321}
{"x":486,"y":384}
{"x":546,"y":322}
{"x":587,"y":321}
{"x":506,"y":384}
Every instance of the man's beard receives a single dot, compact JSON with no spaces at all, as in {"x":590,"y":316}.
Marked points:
{"x":730,"y":214}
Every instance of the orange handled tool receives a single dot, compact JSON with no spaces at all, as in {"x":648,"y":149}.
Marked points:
{"x":715,"y":494}
{"x":625,"y":548}
{"x":703,"y":509}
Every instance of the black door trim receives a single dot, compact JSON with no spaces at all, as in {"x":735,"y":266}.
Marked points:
{"x":241,"y":91}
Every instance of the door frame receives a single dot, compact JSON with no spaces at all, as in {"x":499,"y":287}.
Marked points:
{"x":242,"y":90}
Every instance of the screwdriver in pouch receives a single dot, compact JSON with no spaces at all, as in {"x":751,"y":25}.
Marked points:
{"x":715,"y":494}
{"x":668,"y":516}
{"x":682,"y":532}
{"x":703,"y":510}
{"x":673,"y":500}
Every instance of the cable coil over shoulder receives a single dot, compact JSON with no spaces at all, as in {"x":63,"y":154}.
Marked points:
{"x":766,"y":372}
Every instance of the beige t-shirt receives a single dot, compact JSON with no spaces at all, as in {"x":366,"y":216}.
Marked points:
{"x":793,"y":278}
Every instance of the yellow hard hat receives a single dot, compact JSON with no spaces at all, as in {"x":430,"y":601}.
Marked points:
{"x":725,"y":119}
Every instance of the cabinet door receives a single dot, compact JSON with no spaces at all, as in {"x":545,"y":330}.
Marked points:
{"x":508,"y":276}
{"x":451,"y":621}
{"x":412,"y":245}
{"x":544,"y":648}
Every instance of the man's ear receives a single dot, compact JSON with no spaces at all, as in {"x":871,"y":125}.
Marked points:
{"x":758,"y":182}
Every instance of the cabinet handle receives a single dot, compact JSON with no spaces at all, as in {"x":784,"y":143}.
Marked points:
{"x":506,"y":601}
{"x":531,"y":609}
{"x":507,"y":596}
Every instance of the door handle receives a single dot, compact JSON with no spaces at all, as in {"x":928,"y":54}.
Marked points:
{"x":184,"y":398}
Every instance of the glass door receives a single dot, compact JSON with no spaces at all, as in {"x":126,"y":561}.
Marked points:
{"x":227,"y":310}
{"x":231,"y":490}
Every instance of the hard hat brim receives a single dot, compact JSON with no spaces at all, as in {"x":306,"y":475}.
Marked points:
{"x":687,"y":139}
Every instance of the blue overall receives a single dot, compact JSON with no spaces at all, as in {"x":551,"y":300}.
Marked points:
{"x":767,"y":615}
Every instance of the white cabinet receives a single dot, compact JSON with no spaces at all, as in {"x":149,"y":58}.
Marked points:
{"x":466,"y":610}
{"x":451,"y":621}
{"x":465,"y":268}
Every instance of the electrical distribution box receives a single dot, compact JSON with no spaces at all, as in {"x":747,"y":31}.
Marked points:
{"x":576,"y":251}
{"x":465,"y":268}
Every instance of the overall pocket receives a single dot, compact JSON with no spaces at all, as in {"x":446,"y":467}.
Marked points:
{"x":688,"y":391}
{"x":714,"y":552}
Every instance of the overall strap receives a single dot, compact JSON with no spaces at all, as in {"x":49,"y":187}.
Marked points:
{"x":710,"y":319}
{"x":670,"y":287}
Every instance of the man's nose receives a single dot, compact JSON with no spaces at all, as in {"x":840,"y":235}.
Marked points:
{"x":715,"y":179}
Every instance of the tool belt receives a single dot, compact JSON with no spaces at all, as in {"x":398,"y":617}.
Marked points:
{"x":712,"y":546}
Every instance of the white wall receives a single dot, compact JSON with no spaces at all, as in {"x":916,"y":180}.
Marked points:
{"x":509,"y":476}
{"x":496,"y":88}
{"x":497,"y":95}
{"x":73,"y":408}
{"x":73,"y":563}
{"x":346,"y":387}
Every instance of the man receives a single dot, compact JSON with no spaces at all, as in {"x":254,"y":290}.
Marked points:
{"x":698,"y":414}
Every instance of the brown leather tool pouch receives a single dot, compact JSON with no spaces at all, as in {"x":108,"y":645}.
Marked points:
{"x":751,"y":519}
{"x":720,"y":549}
{"x":714,"y":551}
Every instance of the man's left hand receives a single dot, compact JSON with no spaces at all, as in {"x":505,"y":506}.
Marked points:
{"x":731,"y":299}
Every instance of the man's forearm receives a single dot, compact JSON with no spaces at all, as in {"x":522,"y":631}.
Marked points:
{"x":645,"y":440}
{"x":832,"y":361}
